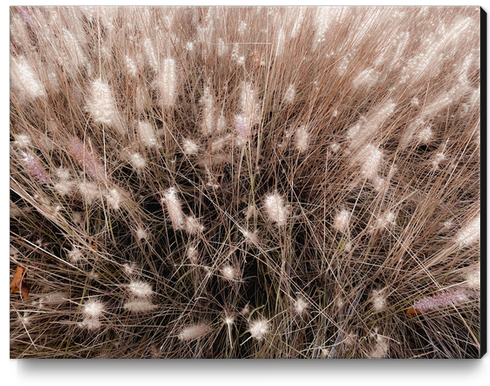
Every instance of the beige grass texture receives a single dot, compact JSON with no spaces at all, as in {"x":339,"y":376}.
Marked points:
{"x":245,"y":182}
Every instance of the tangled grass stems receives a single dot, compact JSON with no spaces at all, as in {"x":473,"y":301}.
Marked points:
{"x":268,"y":182}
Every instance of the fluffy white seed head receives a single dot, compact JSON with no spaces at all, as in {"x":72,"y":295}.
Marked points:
{"x":23,"y":141}
{"x":401,"y":41}
{"x":141,"y":234}
{"x":75,"y":255}
{"x":221,"y":124}
{"x":137,"y":161}
{"x":248,"y":104}
{"x":378,"y":298}
{"x":63,"y":174}
{"x":410,"y":130}
{"x":193,"y":226}
{"x":234,"y":53}
{"x":75,"y":59}
{"x":475,"y":98}
{"x":139,"y":306}
{"x":245,"y":310}
{"x":355,"y":129}
{"x":380,"y":348}
{"x":229,"y":272}
{"x":190,"y":147}
{"x":208,"y":111}
{"x":425,"y":135}
{"x":25,"y":80}
{"x":341,"y":221}
{"x":129,"y":269}
{"x":325,"y":18}
{"x":298,"y":22}
{"x":259,"y":328}
{"x":194,"y":332}
{"x":222,"y":48}
{"x":366,"y":79}
{"x":168,"y":83}
{"x":114,"y":199}
{"x":102,"y":106}
{"x":147,"y":134}
{"x":174,"y":208}
{"x":89,"y":191}
{"x":90,"y":324}
{"x":140,"y":289}
{"x":142,"y":99}
{"x":92,"y":275}
{"x":192,"y":254}
{"x":87,"y":159}
{"x":15,"y":211}
{"x":350,"y":339}
{"x":77,"y":217}
{"x":131,"y":66}
{"x":240,"y":60}
{"x":274,"y":206}
{"x":379,"y":183}
{"x":25,"y":320}
{"x":280,"y":42}
{"x":219,"y":143}
{"x":250,"y":237}
{"x":385,"y":220}
{"x":290,"y":94}
{"x":443,"y":101}
{"x":473,"y":278}
{"x":371,"y":125}
{"x":438,"y":158}
{"x":302,"y":139}
{"x":150,"y":55}
{"x":55,"y":298}
{"x":469,"y":234}
{"x":370,"y":157}
{"x":301,"y":306}
{"x":339,"y":301}
{"x":93,"y":309}
{"x":250,"y":212}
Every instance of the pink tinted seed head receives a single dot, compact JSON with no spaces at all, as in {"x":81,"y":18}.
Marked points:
{"x":86,"y":158}
{"x":440,"y":300}
{"x":35,"y":168}
{"x":242,"y":127}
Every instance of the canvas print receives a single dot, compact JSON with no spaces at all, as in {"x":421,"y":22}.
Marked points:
{"x":245,"y":182}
